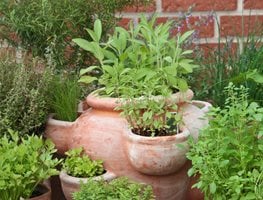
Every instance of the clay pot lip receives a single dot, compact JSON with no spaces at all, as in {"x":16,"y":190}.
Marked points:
{"x":94,"y":100}
{"x":202,"y":105}
{"x":82,"y":107}
{"x":159,"y":140}
{"x":64,"y":177}
{"x":46,"y":194}
{"x":52,"y":121}
{"x":109,"y":103}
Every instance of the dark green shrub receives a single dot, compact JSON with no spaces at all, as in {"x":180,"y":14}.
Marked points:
{"x":24,"y":94}
{"x":118,"y":189}
{"x":47,"y":26}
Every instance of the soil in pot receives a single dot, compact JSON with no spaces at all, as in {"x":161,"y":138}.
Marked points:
{"x":148,"y":132}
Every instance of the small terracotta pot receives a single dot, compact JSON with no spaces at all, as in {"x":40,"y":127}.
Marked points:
{"x":157,"y":155}
{"x":59,"y":132}
{"x":45,"y":191}
{"x":71,"y":184}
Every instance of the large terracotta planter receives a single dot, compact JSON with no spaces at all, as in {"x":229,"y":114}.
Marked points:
{"x":101,"y":130}
{"x":71,"y":184}
{"x":157,"y":155}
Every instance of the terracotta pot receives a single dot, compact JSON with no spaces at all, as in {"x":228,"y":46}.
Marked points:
{"x":59,"y":132}
{"x":45,"y":191}
{"x":194,"y":193}
{"x":82,"y":107}
{"x":157,"y":155}
{"x":71,"y":184}
{"x":193,"y":114}
{"x":100,"y":131}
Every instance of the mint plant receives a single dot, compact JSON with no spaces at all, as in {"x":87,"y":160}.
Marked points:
{"x":229,"y":153}
{"x":80,"y":165}
{"x":24,"y":163}
{"x":138,"y":64}
{"x":119,"y":189}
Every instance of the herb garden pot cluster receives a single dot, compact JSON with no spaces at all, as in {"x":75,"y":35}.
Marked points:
{"x":136,"y":134}
{"x":104,"y":135}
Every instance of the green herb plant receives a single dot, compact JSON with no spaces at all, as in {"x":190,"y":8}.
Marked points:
{"x":78,"y":164}
{"x":119,"y":189}
{"x":64,"y":97}
{"x":24,"y":97}
{"x":238,"y":62}
{"x":229,"y":153}
{"x":138,"y":64}
{"x":7,"y":74}
{"x":24,"y":163}
{"x":45,"y":27}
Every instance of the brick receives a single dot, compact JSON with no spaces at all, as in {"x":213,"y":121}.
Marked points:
{"x":209,"y":49}
{"x":124,"y":22}
{"x":232,"y":25}
{"x":253,"y":4}
{"x":199,"y":5}
{"x":204,"y":28}
{"x":147,"y":8}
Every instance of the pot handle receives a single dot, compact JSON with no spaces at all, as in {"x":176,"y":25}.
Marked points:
{"x":205,"y":105}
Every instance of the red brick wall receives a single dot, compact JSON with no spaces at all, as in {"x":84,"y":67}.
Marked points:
{"x":234,"y":17}
{"x":206,"y":15}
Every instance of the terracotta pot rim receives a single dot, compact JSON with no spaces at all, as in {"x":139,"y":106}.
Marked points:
{"x":75,"y":180}
{"x":57,"y":122}
{"x":45,"y":195}
{"x":205,"y":105}
{"x":159,"y":140}
{"x":110,"y":103}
